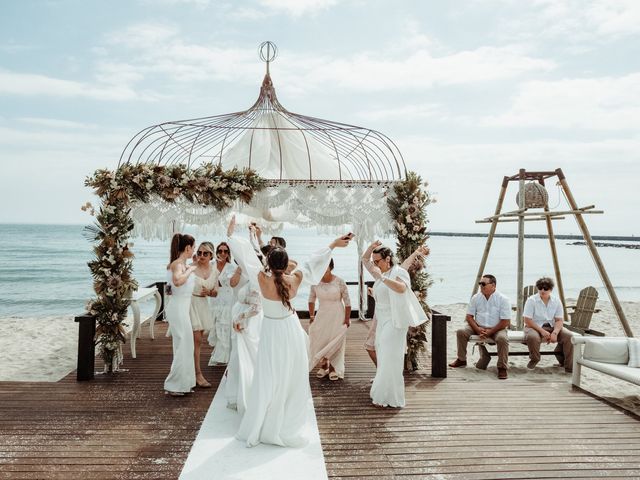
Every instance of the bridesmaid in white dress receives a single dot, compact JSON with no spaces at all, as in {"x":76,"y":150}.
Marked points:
{"x":279,"y":402}
{"x":222,"y":303}
{"x":182,"y":377}
{"x":328,"y":329}
{"x":397,"y":308}
{"x":206,"y":281}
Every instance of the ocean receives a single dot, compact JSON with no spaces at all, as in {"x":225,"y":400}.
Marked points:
{"x":43,"y":268}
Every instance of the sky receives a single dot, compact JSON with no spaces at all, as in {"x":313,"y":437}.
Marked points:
{"x":470,"y":91}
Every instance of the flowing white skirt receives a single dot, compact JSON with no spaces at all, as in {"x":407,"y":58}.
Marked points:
{"x":220,"y":334}
{"x":182,"y":377}
{"x":240,"y":371}
{"x":280,"y":395}
{"x":388,"y":385}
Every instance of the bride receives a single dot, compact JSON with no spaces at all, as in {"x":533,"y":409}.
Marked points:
{"x":280,"y":397}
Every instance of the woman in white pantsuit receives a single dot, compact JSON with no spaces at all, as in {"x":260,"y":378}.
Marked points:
{"x":182,"y":377}
{"x":397,"y":308}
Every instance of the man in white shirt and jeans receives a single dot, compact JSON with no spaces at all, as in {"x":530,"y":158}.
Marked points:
{"x":488,"y":315}
{"x":544,"y":320}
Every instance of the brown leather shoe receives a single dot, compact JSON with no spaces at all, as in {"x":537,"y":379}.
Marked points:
{"x":502,"y":373}
{"x":458,"y":363}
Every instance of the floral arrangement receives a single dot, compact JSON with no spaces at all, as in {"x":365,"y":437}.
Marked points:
{"x":407,"y":207}
{"x":207,"y":185}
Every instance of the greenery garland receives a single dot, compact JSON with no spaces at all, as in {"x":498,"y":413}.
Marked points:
{"x":208,"y":185}
{"x":407,"y":207}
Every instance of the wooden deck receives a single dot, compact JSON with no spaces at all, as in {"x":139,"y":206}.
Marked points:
{"x":124,"y":427}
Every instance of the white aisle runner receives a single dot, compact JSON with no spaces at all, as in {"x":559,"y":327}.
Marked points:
{"x":217,"y":455}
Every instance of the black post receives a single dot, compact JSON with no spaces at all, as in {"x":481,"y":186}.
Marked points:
{"x":439,"y":345}
{"x":371,"y":303}
{"x":86,"y":347}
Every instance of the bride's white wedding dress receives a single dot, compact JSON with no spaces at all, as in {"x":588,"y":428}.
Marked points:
{"x":279,"y":397}
{"x":279,"y":401}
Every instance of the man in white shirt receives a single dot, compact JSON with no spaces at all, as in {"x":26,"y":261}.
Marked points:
{"x":544,"y":320}
{"x":488,"y":315}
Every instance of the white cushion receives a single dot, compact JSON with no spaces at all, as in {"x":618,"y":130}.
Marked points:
{"x":634,"y":352}
{"x":607,"y":350}
{"x":619,"y":371}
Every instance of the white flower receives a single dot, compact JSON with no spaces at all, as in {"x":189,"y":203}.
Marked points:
{"x":408,"y":219}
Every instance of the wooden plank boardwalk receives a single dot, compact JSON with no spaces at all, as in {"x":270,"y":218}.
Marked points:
{"x":124,"y":427}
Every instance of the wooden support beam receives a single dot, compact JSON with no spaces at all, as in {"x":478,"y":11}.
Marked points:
{"x":556,"y":263}
{"x":520,"y":282}
{"x":594,"y":254}
{"x":492,"y":231}
{"x":523,"y":213}
{"x":507,"y":220}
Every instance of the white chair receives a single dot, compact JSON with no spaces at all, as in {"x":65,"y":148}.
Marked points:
{"x":141,"y":295}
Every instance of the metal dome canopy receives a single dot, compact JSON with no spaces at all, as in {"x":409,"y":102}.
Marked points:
{"x":278,"y":144}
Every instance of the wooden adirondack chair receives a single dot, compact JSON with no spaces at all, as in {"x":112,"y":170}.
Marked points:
{"x":526,"y":293}
{"x":583,"y":310}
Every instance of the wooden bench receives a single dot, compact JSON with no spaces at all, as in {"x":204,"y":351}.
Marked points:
{"x":142,"y":295}
{"x":514,"y":336}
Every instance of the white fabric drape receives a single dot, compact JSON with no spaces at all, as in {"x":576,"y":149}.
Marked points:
{"x":327,"y":207}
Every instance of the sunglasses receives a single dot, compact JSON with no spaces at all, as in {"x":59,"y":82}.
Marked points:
{"x":484,"y":284}
{"x":200,"y":253}
{"x":545,"y":288}
{"x":223,"y":251}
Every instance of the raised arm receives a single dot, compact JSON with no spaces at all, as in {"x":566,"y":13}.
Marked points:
{"x":419,"y":253}
{"x":314,"y":267}
{"x":231,"y":228}
{"x":179,"y":276}
{"x":368,"y":264}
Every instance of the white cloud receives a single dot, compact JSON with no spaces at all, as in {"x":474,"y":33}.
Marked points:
{"x":197,"y":3}
{"x":15,"y":83}
{"x":466,"y":179}
{"x":572,"y":21}
{"x":413,"y":69}
{"x":56,"y":123}
{"x":408,"y":111}
{"x":145,"y":35}
{"x":51,"y":135}
{"x":298,"y":8}
{"x":608,"y":103}
{"x":409,"y":63}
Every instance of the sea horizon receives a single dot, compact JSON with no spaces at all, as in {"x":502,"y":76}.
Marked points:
{"x":53,"y":279}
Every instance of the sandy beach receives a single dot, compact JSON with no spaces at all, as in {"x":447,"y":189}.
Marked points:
{"x":617,"y":391}
{"x":44,"y":350}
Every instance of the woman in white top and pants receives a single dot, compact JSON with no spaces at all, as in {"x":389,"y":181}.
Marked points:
{"x":397,"y":309}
